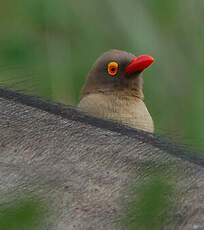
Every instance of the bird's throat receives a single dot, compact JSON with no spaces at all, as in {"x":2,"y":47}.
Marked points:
{"x":123,"y":93}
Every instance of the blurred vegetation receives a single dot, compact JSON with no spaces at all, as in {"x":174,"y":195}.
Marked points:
{"x":50,"y":45}
{"x":22,"y":214}
{"x":152,"y":207}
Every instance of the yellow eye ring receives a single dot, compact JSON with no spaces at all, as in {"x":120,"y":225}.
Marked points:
{"x":113,"y":68}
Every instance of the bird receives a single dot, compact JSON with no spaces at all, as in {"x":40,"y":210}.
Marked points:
{"x":114,"y":90}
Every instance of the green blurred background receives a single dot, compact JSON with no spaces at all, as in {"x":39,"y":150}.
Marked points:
{"x":48,"y":46}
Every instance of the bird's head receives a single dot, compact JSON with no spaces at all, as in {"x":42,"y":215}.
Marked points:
{"x":116,"y":71}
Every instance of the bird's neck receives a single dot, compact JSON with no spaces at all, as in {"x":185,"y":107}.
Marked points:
{"x":121,"y":93}
{"x":129,"y":93}
{"x":125,"y":88}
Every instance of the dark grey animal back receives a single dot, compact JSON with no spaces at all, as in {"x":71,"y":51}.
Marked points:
{"x":85,"y":166}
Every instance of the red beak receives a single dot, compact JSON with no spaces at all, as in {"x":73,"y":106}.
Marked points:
{"x":139,"y":64}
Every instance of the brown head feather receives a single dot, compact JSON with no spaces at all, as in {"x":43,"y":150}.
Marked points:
{"x":99,"y":80}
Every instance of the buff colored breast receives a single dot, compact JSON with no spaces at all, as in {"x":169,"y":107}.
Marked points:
{"x":130,"y":111}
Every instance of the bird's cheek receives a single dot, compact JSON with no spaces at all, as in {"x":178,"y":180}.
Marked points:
{"x":132,"y":76}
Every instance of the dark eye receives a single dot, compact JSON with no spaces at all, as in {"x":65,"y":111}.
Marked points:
{"x":113,"y":68}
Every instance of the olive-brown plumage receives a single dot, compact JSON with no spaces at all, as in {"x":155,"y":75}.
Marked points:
{"x":113,"y":89}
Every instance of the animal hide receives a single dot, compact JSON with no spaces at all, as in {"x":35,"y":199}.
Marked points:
{"x":89,"y":169}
